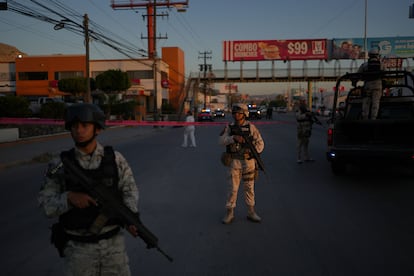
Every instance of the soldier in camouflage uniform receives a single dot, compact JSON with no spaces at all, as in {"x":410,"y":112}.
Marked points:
{"x":372,"y":86}
{"x":243,"y":167}
{"x":84,"y":253}
{"x":304,"y":132}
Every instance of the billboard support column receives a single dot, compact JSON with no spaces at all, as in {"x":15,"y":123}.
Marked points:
{"x":310,"y":95}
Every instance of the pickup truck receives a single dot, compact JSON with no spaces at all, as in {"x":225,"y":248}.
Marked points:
{"x":35,"y":106}
{"x":388,"y":140}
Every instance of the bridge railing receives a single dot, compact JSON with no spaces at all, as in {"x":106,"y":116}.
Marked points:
{"x":278,"y":74}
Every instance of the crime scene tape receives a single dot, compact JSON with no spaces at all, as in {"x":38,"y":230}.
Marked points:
{"x":38,"y":121}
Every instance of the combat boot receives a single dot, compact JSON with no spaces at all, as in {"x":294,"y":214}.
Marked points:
{"x":229,"y":217}
{"x":251,"y":214}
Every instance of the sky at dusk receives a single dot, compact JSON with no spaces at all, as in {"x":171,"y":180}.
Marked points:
{"x":204,"y":25}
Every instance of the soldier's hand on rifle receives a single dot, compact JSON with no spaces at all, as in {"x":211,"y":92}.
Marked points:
{"x":133,"y":230}
{"x":238,"y":138}
{"x":80,"y":200}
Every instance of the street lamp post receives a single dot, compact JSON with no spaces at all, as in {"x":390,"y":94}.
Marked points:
{"x":365,"y":32}
{"x":88,"y":97}
{"x":154,"y":38}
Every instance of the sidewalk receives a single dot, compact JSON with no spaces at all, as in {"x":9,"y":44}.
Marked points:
{"x":41,"y":149}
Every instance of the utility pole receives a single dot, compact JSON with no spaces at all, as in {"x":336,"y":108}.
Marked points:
{"x":88,"y":97}
{"x":203,"y":68}
{"x":151,"y":7}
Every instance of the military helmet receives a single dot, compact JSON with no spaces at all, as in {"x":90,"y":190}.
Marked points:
{"x":240,"y":108}
{"x":84,"y":112}
{"x":373,"y":52}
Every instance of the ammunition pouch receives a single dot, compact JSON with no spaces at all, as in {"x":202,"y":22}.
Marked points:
{"x":59,"y":238}
{"x":226,"y":159}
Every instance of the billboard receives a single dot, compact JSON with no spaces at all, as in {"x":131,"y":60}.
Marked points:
{"x":347,"y":48}
{"x":353,"y":48}
{"x":259,"y":50}
{"x":402,"y":47}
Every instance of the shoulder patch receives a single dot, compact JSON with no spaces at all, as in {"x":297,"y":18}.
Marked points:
{"x":53,"y":169}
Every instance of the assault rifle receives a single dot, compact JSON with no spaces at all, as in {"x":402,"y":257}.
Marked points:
{"x":112,"y":207}
{"x":315,"y":119}
{"x":249,"y":143}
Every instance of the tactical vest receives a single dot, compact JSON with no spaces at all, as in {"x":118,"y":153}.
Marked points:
{"x":374,"y":67}
{"x":106,"y":174}
{"x":239,"y":148}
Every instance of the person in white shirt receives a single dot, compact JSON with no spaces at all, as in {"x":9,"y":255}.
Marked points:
{"x":189,"y":131}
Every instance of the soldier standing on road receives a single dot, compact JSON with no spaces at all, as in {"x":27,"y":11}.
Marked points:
{"x":304,"y":131}
{"x":242,"y":167}
{"x":372,"y":86}
{"x":189,"y":131}
{"x":61,"y":196}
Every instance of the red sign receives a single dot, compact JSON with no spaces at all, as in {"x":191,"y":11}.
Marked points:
{"x":392,"y":63}
{"x":53,"y":83}
{"x":136,"y":81}
{"x":256,"y":50}
{"x":165,"y":83}
{"x":341,"y":88}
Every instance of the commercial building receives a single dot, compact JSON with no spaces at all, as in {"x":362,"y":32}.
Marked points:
{"x":38,"y":76}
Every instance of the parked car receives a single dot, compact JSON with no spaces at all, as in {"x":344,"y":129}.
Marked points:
{"x":281,"y":109}
{"x":36,"y":105}
{"x":219,"y":113}
{"x":205,"y":115}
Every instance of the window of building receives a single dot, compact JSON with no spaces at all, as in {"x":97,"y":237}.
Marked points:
{"x":164,"y":75}
{"x":33,"y":76}
{"x":141,"y":74}
{"x":68,"y":75}
{"x":7,"y":76}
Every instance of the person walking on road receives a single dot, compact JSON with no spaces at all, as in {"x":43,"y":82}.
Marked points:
{"x":242,"y":166}
{"x":304,"y":131}
{"x":189,"y":130}
{"x":372,"y":85}
{"x":84,"y":251}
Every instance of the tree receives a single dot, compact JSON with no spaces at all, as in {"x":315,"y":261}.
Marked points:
{"x":75,"y":86}
{"x":112,"y":81}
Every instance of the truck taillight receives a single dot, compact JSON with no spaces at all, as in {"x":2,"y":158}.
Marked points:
{"x":330,"y":136}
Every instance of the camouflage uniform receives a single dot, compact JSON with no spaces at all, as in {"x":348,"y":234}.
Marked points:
{"x":242,"y":169}
{"x":108,"y":256}
{"x":372,"y":87}
{"x":304,"y":132}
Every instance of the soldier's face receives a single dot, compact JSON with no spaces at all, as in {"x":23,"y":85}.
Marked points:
{"x":238,"y":116}
{"x":82,"y":131}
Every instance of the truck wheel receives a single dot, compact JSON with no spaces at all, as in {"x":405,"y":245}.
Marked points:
{"x":338,"y":168}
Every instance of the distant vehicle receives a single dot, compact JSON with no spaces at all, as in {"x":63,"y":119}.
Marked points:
{"x":35,"y":106}
{"x":326,"y":113}
{"x":254,"y":112}
{"x":205,"y":115}
{"x":218,"y":113}
{"x":281,"y":109}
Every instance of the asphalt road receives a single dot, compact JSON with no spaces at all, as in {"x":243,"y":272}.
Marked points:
{"x":314,"y":223}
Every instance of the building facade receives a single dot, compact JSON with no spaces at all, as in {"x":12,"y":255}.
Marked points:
{"x":38,"y":76}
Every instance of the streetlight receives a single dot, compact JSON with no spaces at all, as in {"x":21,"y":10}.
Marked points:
{"x":365,"y":32}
